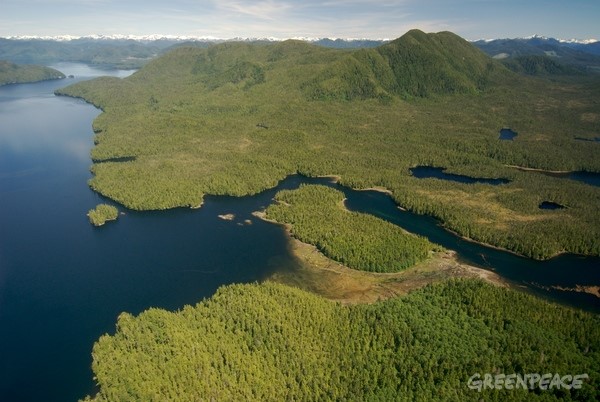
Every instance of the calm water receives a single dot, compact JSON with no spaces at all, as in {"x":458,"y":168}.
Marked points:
{"x":63,"y":282}
{"x":537,"y":276}
{"x":507,"y":134}
{"x":550,"y":205}
{"x":424,"y":172}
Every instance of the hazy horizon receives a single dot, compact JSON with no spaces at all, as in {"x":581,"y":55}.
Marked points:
{"x":357,"y":19}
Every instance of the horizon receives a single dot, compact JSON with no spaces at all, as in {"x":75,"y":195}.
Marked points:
{"x":167,"y":37}
{"x":290,"y":19}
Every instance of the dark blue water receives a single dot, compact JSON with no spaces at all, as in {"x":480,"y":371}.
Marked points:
{"x":63,"y":282}
{"x":595,"y":139}
{"x":551,"y":205}
{"x":591,"y":178}
{"x":507,"y":134}
{"x":537,"y":276}
{"x":424,"y":172}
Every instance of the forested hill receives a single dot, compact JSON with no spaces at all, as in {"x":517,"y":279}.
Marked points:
{"x":235,"y":118}
{"x":11,"y":73}
{"x":416,"y":64}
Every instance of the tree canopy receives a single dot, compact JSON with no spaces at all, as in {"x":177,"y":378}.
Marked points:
{"x":271,"y":342}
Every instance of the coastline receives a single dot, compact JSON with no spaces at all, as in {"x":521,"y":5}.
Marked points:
{"x":321,"y":275}
{"x":501,"y":248}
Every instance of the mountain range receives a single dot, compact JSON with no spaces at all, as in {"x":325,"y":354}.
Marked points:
{"x":131,"y":51}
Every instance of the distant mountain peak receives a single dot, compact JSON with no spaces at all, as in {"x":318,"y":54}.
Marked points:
{"x":178,"y":38}
{"x":573,"y":40}
{"x":544,"y":38}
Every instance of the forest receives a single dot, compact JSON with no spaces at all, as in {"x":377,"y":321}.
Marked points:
{"x":11,"y":73}
{"x":272,"y":342}
{"x":315,"y":216}
{"x":235,"y":118}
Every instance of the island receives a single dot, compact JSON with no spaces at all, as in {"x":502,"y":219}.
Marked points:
{"x":11,"y":73}
{"x":102,"y":213}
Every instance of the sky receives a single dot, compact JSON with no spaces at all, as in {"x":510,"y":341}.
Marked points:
{"x":380,"y":19}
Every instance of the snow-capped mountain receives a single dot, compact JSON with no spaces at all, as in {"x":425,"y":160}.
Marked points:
{"x":180,"y":38}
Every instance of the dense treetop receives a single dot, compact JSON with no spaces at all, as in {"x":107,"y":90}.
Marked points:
{"x":236,"y":118}
{"x":272,"y":342}
{"x":315,"y":215}
{"x":102,"y":213}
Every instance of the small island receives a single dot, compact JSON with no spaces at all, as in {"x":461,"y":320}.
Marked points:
{"x":11,"y":73}
{"x":102,"y":213}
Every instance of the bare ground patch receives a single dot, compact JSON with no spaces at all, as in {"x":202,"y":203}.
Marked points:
{"x":318,"y":274}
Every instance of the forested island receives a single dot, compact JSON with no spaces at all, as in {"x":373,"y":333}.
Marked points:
{"x":11,"y":73}
{"x":236,"y":118}
{"x":103,"y":213}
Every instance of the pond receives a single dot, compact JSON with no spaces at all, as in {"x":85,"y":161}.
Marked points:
{"x":507,"y":134}
{"x":551,"y":205}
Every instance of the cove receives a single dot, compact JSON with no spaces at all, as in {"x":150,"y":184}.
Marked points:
{"x":63,"y":282}
{"x":424,"y":172}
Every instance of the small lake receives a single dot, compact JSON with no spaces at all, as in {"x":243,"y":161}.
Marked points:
{"x":424,"y":172}
{"x":506,"y":134}
{"x":63,"y":282}
{"x":551,"y":205}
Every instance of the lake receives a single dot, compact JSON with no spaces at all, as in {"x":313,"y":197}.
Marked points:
{"x":63,"y":282}
{"x":425,"y":172}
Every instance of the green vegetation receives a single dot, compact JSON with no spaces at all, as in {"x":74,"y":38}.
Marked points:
{"x":275,"y":343}
{"x":539,"y":65}
{"x":103,"y":213}
{"x":17,"y":74}
{"x":193,"y":122}
{"x":356,"y":240}
{"x":124,"y":54}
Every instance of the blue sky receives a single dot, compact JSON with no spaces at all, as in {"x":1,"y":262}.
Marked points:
{"x":472,"y":19}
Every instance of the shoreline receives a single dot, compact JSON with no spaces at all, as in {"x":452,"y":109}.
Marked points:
{"x":591,"y":290}
{"x":386,"y":191}
{"x":526,"y":169}
{"x":328,"y":278}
